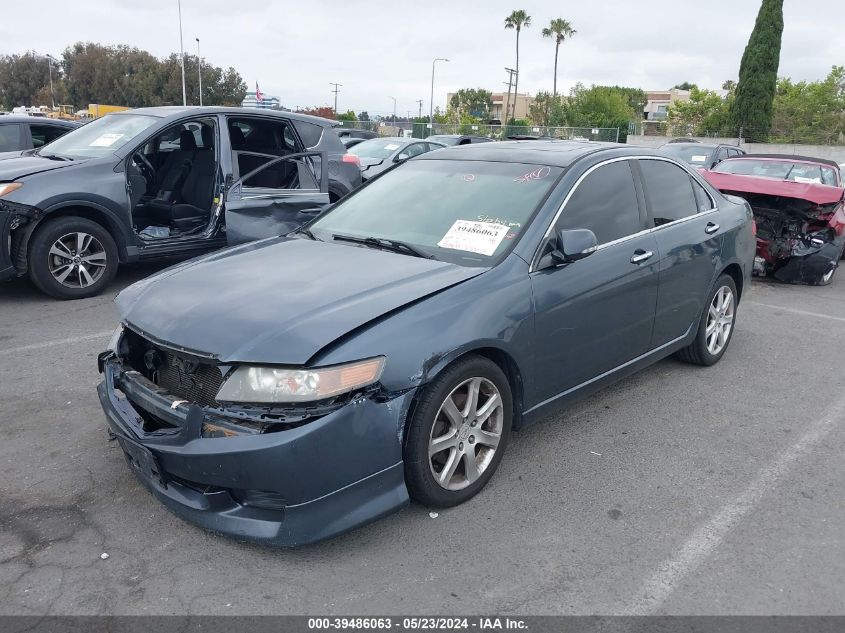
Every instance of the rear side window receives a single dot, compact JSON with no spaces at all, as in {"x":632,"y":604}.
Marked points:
{"x":702,"y":199}
{"x":10,"y":137}
{"x":606,"y":203}
{"x":43,"y":134}
{"x":669,"y":191}
{"x":310,"y":133}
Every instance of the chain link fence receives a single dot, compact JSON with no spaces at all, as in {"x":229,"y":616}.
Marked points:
{"x":496,"y":132}
{"x":777,"y":134}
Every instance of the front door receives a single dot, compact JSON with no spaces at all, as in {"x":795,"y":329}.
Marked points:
{"x":595,"y":314}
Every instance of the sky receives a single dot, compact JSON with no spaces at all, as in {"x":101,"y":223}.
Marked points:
{"x":381,"y":49}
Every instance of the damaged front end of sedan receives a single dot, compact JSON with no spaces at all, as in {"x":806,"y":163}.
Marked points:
{"x":800,"y":226}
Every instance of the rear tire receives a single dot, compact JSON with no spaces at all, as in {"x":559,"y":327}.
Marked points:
{"x":456,"y":439}
{"x":72,"y":258}
{"x":716,"y":326}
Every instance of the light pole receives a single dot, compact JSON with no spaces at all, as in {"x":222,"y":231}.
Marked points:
{"x":50,"y":61}
{"x":182,"y":55}
{"x":199,"y":68}
{"x":394,"y":110}
{"x":431,"y":111}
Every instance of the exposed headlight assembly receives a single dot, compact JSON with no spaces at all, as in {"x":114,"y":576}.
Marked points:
{"x":114,"y":341}
{"x":9,"y":187}
{"x":253,"y":384}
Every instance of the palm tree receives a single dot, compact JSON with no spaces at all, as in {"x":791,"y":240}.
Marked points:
{"x":561,"y":30}
{"x":516,"y":20}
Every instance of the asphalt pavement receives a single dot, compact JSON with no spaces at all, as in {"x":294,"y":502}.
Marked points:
{"x":680,"y":490}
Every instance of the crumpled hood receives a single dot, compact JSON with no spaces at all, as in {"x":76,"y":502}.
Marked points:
{"x":281,"y":300}
{"x":812,"y":192}
{"x":19,"y":166}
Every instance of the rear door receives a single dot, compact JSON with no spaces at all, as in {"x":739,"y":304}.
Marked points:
{"x":275,"y":198}
{"x":688,"y":237}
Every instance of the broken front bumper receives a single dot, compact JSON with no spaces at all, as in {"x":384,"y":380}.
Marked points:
{"x":286,"y":488}
{"x":12,"y":215}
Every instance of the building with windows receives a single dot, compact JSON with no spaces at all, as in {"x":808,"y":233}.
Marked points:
{"x":658,"y":102}
{"x":267,"y":103}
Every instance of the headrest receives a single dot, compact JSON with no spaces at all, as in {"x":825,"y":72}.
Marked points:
{"x":237,"y":135}
{"x":187,"y":142}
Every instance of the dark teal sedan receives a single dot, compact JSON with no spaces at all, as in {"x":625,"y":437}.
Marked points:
{"x":289,"y":390}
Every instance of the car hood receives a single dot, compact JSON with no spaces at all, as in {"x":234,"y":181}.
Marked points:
{"x":812,"y":192}
{"x":279,"y":301}
{"x":19,"y":166}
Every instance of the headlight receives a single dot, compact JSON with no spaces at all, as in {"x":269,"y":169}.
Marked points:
{"x":272,"y":384}
{"x":115,"y":338}
{"x":9,"y":187}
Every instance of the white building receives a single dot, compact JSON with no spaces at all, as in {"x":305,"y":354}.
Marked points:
{"x":267,"y":102}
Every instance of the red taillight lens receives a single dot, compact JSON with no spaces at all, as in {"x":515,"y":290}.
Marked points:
{"x":754,"y":228}
{"x":352,"y":158}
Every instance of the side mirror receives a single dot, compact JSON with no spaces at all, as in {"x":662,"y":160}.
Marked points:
{"x":400,"y":158}
{"x":572,"y":245}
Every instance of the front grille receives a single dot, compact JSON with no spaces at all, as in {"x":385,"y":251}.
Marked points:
{"x":183,"y":376}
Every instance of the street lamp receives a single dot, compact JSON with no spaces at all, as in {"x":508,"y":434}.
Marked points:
{"x":394,"y":110}
{"x":199,"y":68}
{"x":182,"y":54}
{"x":50,"y":60}
{"x":431,"y":112}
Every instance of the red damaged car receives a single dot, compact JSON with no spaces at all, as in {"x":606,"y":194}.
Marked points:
{"x":799,"y":211}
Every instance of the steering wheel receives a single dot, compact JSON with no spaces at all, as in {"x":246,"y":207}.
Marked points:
{"x":146,"y":166}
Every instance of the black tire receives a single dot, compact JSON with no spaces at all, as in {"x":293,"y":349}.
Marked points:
{"x":421,"y":482}
{"x":41,"y":260}
{"x":697,"y":352}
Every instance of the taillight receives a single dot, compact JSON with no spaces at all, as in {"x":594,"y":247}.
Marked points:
{"x":352,"y":158}
{"x":754,"y":228}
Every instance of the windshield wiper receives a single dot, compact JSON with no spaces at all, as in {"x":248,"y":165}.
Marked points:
{"x":385,"y":244}
{"x":54,"y":156}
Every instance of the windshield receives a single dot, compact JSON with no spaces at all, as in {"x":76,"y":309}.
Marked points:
{"x":697,"y":155}
{"x":446,"y":140}
{"x":376,"y":148}
{"x":780,"y":169}
{"x":465,"y":212}
{"x":100,"y":137}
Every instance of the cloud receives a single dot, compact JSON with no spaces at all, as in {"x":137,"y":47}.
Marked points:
{"x":384,"y":48}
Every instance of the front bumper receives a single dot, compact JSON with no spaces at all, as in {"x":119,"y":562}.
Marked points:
{"x":287,"y":488}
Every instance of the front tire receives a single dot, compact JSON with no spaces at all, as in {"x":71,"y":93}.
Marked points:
{"x":72,"y":258}
{"x":458,"y":432}
{"x":716,"y":327}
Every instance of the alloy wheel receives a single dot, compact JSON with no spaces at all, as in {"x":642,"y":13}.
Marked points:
{"x":720,"y":319}
{"x":77,"y":260}
{"x":465,"y":434}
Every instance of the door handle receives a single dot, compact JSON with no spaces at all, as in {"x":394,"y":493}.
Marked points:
{"x":640,"y":256}
{"x":711,"y":228}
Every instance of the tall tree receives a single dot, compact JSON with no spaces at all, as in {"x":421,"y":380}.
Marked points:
{"x":476,"y":102}
{"x":22,"y":77}
{"x":559,"y":29}
{"x":516,"y":20}
{"x":758,"y":72}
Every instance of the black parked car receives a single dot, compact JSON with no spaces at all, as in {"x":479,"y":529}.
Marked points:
{"x":458,"y":139}
{"x":18,"y":132}
{"x":699,"y":154}
{"x":292,"y":389}
{"x":162,"y":182}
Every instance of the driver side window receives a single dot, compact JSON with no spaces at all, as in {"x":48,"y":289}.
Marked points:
{"x":606,"y":203}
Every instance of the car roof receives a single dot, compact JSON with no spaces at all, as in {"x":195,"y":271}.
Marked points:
{"x":24,"y":118}
{"x":694,"y":144}
{"x":789,"y":157}
{"x":556,"y":153}
{"x":175,"y":112}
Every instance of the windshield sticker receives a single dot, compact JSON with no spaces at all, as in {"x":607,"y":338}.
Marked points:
{"x":497,"y":220}
{"x":699,"y":159}
{"x":475,"y":237}
{"x":106,"y":140}
{"x":807,"y":181}
{"x":391,"y":146}
{"x":537,"y":174}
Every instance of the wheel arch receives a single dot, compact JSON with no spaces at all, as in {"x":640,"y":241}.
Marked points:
{"x":501,"y":357}
{"x":735,"y":273}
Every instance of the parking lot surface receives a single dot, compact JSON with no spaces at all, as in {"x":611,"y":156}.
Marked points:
{"x":680,"y":490}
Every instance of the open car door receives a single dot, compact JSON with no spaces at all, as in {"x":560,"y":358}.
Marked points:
{"x":277,"y":197}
